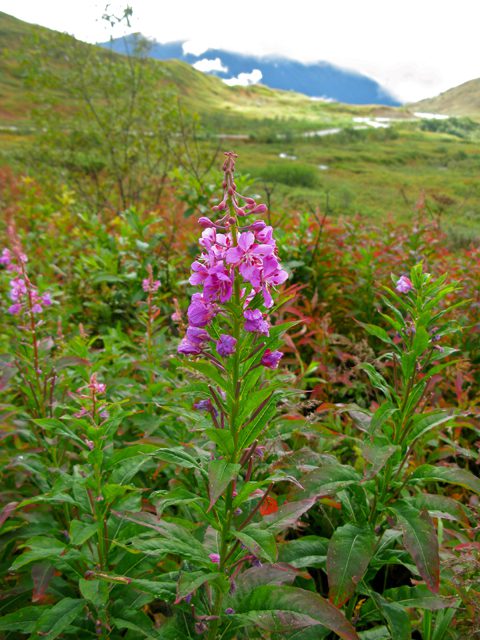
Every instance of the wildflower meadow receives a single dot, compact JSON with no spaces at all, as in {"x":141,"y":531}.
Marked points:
{"x":223,"y":420}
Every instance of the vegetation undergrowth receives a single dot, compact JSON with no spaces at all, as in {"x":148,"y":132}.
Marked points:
{"x":227,"y":491}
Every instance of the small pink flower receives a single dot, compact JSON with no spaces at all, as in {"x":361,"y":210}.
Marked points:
{"x":15,"y":309}
{"x":214,"y":557}
{"x":270,"y":359}
{"x":404,"y":284}
{"x":95,"y":386}
{"x":226,"y":345}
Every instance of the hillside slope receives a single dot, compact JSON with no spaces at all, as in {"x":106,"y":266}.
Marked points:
{"x":222,"y":108}
{"x":463,"y":100}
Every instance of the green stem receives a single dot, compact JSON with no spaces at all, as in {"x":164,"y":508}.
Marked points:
{"x":234,"y":430}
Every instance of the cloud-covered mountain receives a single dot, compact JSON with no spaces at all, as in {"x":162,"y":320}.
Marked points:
{"x":318,"y":80}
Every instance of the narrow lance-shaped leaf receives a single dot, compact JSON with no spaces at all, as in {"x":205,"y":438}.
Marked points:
{"x":349,"y":553}
{"x":420,"y":541}
{"x":280,"y":608}
{"x":452,"y":475}
{"x":58,"y":618}
{"x":220,"y":474}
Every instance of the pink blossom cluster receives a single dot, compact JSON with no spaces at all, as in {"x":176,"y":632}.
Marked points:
{"x":23,"y":293}
{"x":229,"y":251}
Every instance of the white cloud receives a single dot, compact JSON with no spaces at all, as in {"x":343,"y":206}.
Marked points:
{"x":195,"y":47}
{"x":245,"y":79}
{"x":207,"y":66}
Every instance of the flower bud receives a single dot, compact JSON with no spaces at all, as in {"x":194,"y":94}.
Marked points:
{"x":260,"y":208}
{"x":205,"y":222}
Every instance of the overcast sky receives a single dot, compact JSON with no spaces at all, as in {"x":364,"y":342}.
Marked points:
{"x":414,"y":48}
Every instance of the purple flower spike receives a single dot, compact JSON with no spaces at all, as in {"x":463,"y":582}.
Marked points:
{"x":404,"y":284}
{"x":270,"y":359}
{"x":226,"y":345}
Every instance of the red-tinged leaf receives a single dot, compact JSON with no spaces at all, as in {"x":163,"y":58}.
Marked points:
{"x":349,"y":553}
{"x":41,"y":576}
{"x":280,"y":608}
{"x":273,"y":574}
{"x":270,"y":505}
{"x":468,"y":545}
{"x":7,"y":510}
{"x":420,"y":539}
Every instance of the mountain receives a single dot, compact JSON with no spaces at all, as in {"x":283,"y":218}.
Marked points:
{"x":229,"y":109}
{"x":463,"y":100}
{"x":317,"y":80}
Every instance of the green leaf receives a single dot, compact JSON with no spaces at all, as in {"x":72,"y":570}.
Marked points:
{"x":380,"y":417}
{"x":280,"y":608}
{"x":330,"y":478}
{"x":288,"y":514}
{"x":421,"y":340}
{"x":220,"y":474}
{"x":378,"y":332}
{"x":307,"y":551}
{"x":80,"y":532}
{"x":131,"y":452}
{"x":420,"y":540}
{"x":191,"y":581}
{"x":210,"y":372}
{"x":179,"y":458}
{"x":396,"y":617}
{"x":377,"y":456}
{"x":259,"y":541}
{"x":452,"y":475}
{"x":349,"y":552}
{"x":58,"y":618}
{"x":419,"y":597}
{"x":22,"y":619}
{"x":164,"y":498}
{"x":95,"y":591}
{"x":41,"y":548}
{"x":422,"y":423}
{"x":222,"y":438}
{"x":376,"y":378}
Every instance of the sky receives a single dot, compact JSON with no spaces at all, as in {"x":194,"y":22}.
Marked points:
{"x":414,"y":48}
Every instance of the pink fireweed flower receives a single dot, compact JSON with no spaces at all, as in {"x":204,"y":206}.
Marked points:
{"x":404,"y":284}
{"x":248,"y":257}
{"x":15,"y":309}
{"x":272,"y":274}
{"x":150,"y":286}
{"x":255,"y":322}
{"x":95,"y":386}
{"x":194,"y":341}
{"x":270,"y":359}
{"x":6,"y":257}
{"x":226,"y":345}
{"x":214,"y":557}
{"x":218,"y":285}
{"x":200,"y":312}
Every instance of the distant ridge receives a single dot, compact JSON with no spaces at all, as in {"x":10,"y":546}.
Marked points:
{"x":317,"y":80}
{"x":463,"y":100}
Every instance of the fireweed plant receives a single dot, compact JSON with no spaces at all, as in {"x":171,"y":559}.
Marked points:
{"x":230,"y":343}
{"x":387,"y":517}
{"x":32,"y":353}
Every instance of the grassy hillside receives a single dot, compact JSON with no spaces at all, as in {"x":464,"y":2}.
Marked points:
{"x":463,"y":100}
